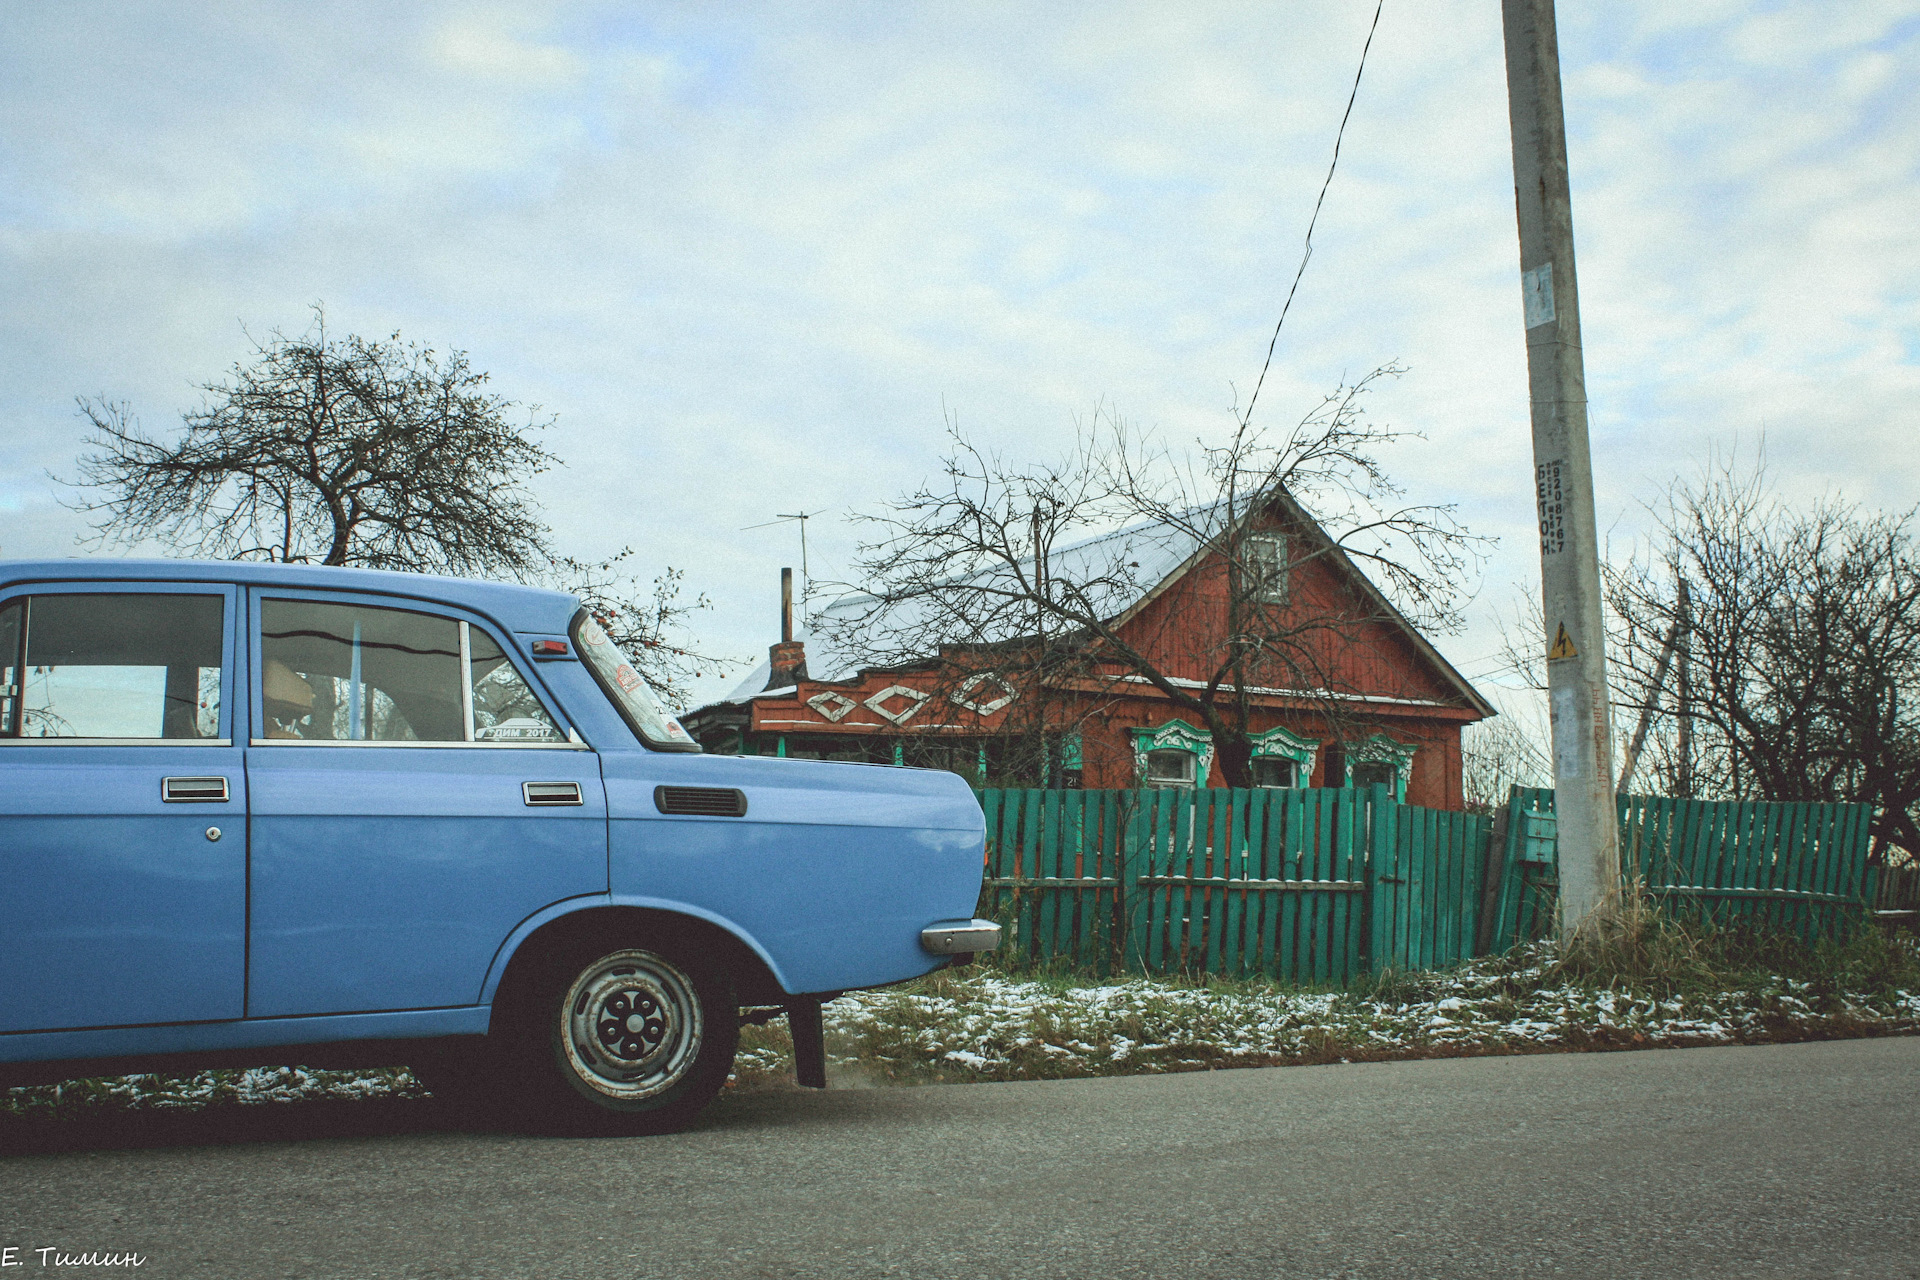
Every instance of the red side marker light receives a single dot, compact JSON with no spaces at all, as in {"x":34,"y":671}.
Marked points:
{"x":550,"y":648}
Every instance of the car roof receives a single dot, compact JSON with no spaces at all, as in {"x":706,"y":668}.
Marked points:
{"x":513,"y":606}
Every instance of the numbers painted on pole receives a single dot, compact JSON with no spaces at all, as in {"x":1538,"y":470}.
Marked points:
{"x":1550,"y":492}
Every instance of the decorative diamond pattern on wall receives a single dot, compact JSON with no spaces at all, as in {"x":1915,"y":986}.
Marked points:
{"x":834,"y":706}
{"x":878,"y":703}
{"x":963,"y":696}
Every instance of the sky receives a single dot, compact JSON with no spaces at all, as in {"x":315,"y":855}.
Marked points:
{"x":753,"y":259}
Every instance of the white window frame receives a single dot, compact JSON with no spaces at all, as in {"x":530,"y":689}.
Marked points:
{"x":1174,"y":735}
{"x":1265,"y":555}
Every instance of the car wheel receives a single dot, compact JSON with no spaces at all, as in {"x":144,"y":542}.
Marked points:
{"x":628,"y":1040}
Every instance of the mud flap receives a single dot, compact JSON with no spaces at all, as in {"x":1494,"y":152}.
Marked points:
{"x":809,"y":1042}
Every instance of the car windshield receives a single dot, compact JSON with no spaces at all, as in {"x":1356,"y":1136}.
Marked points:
{"x":626,"y":687}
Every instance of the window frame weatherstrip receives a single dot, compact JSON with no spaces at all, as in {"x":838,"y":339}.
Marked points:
{"x":407,"y":744}
{"x":116,"y":742}
{"x":466,"y":681}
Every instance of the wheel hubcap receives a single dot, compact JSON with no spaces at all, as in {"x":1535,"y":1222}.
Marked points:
{"x":633,"y":1025}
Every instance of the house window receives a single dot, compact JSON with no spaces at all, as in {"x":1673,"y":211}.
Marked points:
{"x":1380,"y":760}
{"x":1274,"y":771}
{"x":1266,"y":566}
{"x":1368,"y":772}
{"x":1282,"y":758}
{"x":1171,"y":768}
{"x":1174,"y":754}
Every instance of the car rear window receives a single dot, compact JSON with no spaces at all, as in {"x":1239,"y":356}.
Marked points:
{"x":626,"y":688}
{"x":118,"y":666}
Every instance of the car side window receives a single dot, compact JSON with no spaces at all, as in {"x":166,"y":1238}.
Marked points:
{"x":127,"y":666}
{"x":352,"y":673}
{"x":504,"y":708}
{"x":363,"y":673}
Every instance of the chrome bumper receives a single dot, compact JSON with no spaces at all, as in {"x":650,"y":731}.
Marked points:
{"x":960,"y":937}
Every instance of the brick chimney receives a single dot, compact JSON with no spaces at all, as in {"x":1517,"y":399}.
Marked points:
{"x":787,"y":661}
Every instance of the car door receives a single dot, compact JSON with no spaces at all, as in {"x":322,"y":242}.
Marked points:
{"x":123,"y":840}
{"x":413,"y":799}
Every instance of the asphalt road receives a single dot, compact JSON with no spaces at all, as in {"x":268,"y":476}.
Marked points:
{"x":1793,"y":1160}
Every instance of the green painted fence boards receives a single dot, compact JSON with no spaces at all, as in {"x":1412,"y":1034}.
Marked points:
{"x":1800,"y":867}
{"x":1320,"y":886}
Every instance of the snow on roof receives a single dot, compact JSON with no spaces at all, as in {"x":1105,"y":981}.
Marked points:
{"x":755,"y":682}
{"x":1119,"y":568}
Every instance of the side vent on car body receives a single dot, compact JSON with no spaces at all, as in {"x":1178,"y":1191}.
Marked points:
{"x":701,"y":802}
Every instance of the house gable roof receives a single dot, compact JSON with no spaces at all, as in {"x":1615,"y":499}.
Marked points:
{"x":1137,"y":565}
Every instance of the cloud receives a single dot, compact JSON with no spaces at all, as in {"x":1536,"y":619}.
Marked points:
{"x":754,"y":256}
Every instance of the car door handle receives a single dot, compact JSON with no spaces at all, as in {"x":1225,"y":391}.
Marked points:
{"x":541,"y":794}
{"x":189,"y":790}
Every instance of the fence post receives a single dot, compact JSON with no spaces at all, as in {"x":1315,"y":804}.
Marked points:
{"x":1131,"y":866}
{"x":1379,"y":895}
{"x":1493,"y":869}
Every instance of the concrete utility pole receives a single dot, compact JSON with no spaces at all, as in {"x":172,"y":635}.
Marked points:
{"x":1563,"y":470}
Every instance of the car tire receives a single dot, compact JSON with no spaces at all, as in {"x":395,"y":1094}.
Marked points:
{"x":621,"y":1037}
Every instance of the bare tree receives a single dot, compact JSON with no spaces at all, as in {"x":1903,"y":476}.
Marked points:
{"x":1002,"y":568}
{"x":330,"y":451}
{"x":1802,"y":654}
{"x":385,"y":455}
{"x":1496,"y":756}
{"x":647,"y":621}
{"x":1770,"y":651}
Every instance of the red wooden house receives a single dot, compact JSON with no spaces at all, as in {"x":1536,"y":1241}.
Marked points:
{"x":1389,"y":708}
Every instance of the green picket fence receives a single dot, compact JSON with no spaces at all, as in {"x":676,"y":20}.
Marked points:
{"x":1426,"y":870}
{"x":1800,"y":867}
{"x":1319,"y":886}
{"x":1897,"y":889}
{"x":1313,"y":886}
{"x":1246,"y":882}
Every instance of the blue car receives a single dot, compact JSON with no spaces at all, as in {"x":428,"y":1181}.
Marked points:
{"x":263,"y":813}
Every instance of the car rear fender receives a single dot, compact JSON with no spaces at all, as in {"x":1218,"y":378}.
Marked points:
{"x":757,"y":978}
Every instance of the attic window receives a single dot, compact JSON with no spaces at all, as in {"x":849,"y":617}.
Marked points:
{"x":1265,"y":558}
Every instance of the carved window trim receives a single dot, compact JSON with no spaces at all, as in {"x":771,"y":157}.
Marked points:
{"x":1175,"y":735}
{"x":1284,"y":744}
{"x":1380,"y":749}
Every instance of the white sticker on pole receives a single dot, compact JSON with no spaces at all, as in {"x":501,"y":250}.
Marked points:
{"x":1566,"y":735}
{"x":1536,"y":291}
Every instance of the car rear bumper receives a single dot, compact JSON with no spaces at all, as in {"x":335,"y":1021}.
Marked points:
{"x":960,"y":937}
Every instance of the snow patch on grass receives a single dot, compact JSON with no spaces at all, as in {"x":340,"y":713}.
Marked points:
{"x":251,"y":1087}
{"x":980,"y":1025}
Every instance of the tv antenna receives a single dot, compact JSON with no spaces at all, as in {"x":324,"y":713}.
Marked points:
{"x":806,"y":583}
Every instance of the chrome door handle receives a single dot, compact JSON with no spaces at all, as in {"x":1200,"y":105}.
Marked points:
{"x":188,"y":790}
{"x":542,"y":794}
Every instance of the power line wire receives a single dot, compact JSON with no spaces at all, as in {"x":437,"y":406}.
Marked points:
{"x":1307,"y":255}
